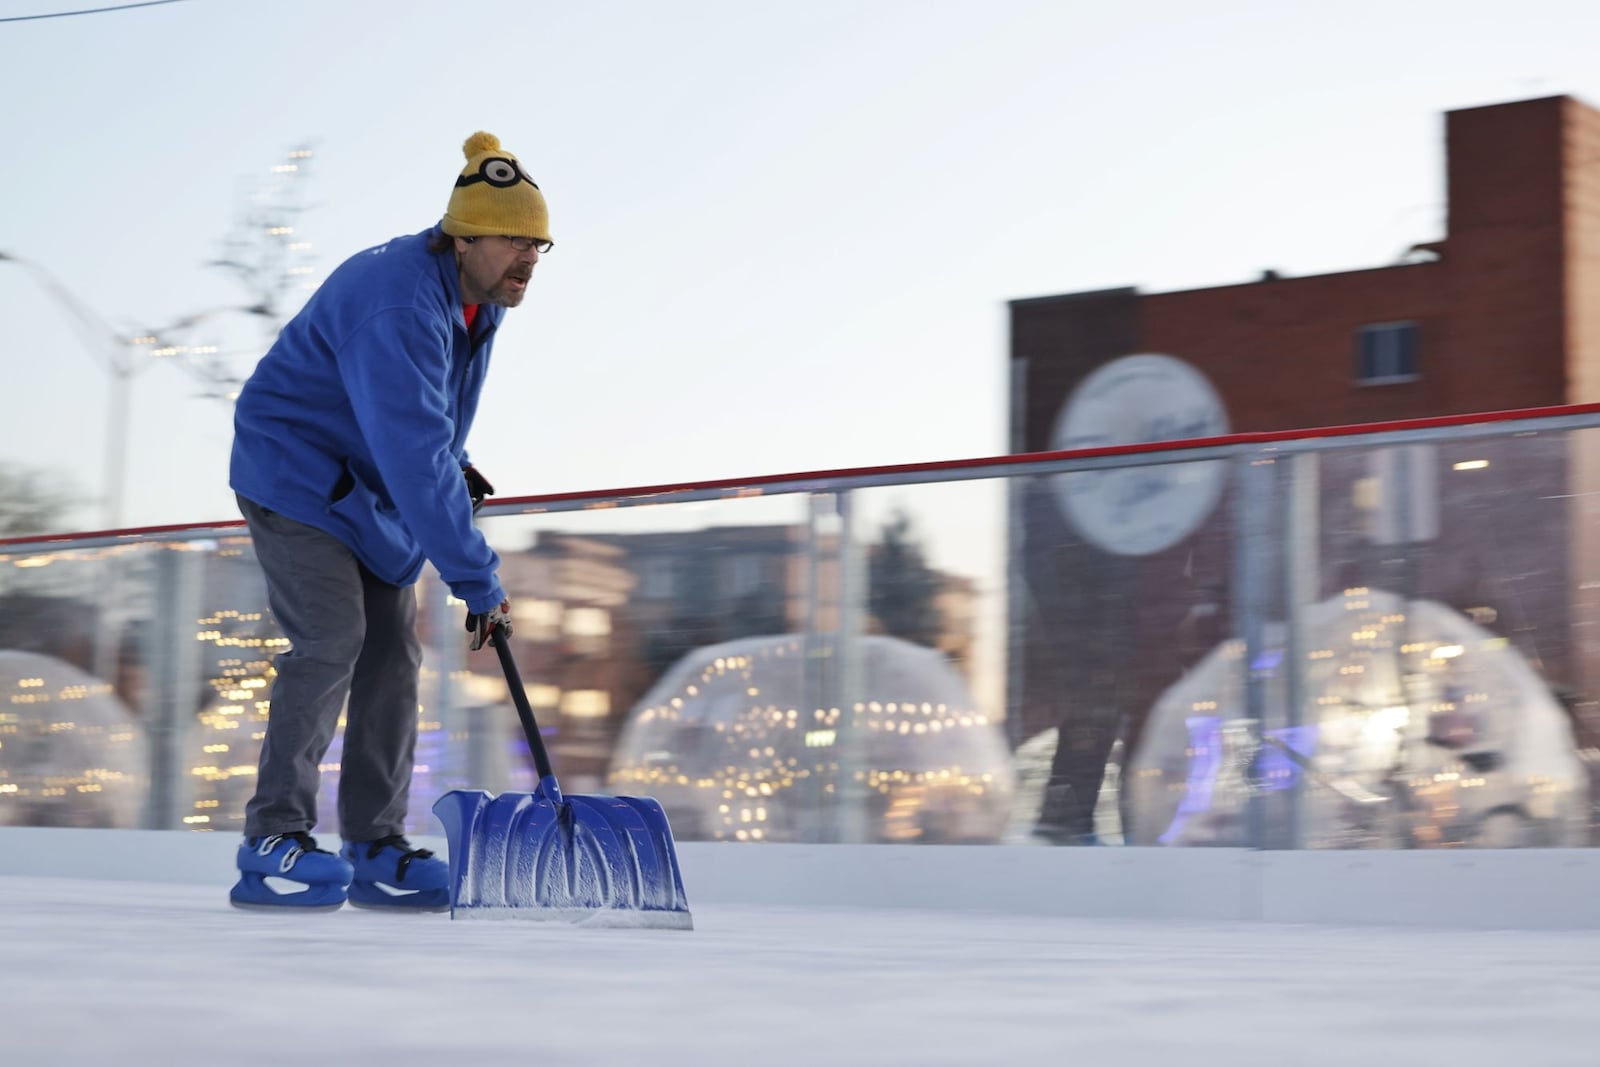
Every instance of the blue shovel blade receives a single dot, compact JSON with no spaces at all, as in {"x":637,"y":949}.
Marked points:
{"x":591,"y":860}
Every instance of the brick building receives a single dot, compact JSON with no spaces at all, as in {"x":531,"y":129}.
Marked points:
{"x":1503,"y":312}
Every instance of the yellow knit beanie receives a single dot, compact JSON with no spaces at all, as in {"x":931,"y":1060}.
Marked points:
{"x":494,"y":196}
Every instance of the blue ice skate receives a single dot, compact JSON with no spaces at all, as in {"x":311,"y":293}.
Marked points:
{"x":389,"y":873}
{"x":289,"y":871}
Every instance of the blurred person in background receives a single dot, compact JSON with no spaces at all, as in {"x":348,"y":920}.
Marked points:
{"x":350,"y":467}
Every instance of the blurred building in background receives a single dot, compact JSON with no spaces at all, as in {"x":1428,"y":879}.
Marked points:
{"x":1121,"y":583}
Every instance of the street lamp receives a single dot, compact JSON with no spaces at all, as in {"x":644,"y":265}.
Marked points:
{"x":114,"y":350}
{"x":120,"y":353}
{"x":264,"y":253}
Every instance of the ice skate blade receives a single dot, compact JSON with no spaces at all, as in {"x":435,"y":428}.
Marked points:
{"x":283,"y":909}
{"x":420,"y":909}
{"x":377,"y":896}
{"x":255,"y":892}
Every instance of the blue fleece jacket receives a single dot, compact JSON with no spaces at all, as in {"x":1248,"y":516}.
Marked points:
{"x":355,"y":421}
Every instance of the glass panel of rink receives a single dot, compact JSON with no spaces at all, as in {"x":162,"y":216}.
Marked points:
{"x":133,"y":677}
{"x":1442,"y":610}
{"x":1348,"y":643}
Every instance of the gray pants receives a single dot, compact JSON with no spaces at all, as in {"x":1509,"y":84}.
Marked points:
{"x":350,"y":635}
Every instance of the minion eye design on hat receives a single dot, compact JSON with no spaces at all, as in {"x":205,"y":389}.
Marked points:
{"x":498,"y":171}
{"x":494,"y":195}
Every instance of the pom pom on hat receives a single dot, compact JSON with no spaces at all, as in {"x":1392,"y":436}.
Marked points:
{"x":479,"y":143}
{"x":494,"y":195}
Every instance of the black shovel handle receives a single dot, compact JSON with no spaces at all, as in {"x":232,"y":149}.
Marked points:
{"x":519,"y":697}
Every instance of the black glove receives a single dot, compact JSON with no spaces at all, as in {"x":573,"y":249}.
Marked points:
{"x":478,"y":487}
{"x":480,"y":626}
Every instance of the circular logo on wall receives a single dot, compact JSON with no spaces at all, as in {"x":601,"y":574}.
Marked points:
{"x":1136,"y":511}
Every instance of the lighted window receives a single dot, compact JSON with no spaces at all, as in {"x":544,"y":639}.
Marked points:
{"x":544,"y":696}
{"x":586,"y":704}
{"x":1387,"y":352}
{"x":588,"y":631}
{"x":587,"y":622}
{"x":537,"y":619}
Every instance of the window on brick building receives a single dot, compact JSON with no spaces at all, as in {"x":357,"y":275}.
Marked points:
{"x":747,"y":574}
{"x":660,"y":578}
{"x":1387,"y":352}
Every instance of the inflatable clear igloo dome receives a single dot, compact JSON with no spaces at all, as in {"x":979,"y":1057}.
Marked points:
{"x":71,"y":753}
{"x":741,"y":741}
{"x":1420,"y":729}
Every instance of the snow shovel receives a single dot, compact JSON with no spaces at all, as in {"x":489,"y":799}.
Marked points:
{"x":586,"y":860}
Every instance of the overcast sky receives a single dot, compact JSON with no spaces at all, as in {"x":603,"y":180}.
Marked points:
{"x":785,"y":232}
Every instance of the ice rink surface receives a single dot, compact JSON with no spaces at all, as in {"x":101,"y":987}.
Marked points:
{"x":141,"y":973}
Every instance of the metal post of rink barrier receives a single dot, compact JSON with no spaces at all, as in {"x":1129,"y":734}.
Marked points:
{"x":818,"y":670}
{"x":175,"y":682}
{"x":1254,"y":553}
{"x":444,"y":654}
{"x":851,"y":784}
{"x":1302,"y":589}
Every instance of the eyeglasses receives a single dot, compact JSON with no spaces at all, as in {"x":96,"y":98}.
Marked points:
{"x":522,"y":244}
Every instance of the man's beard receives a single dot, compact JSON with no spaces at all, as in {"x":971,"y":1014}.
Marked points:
{"x":506,"y":295}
